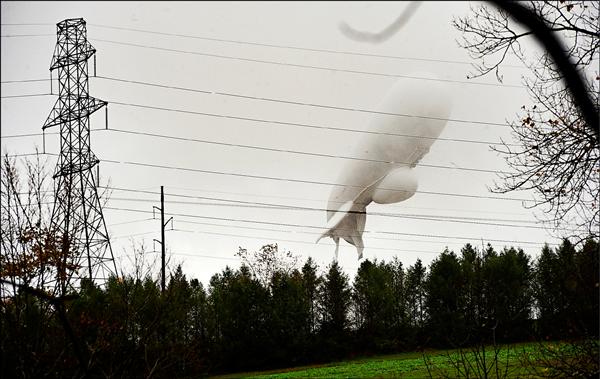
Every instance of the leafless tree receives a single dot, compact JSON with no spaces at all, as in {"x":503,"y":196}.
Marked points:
{"x":564,"y":359}
{"x":28,"y":248}
{"x":268,"y":260}
{"x":557,"y":153}
{"x":32,"y":253}
{"x":141,"y":262}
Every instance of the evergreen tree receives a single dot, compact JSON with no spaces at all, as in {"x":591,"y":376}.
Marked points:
{"x":545,"y":289}
{"x":401,"y":323}
{"x":373,"y":300}
{"x":415,"y":293}
{"x":334,"y":303}
{"x":240,"y":303}
{"x":310,"y":283}
{"x":472,"y":296}
{"x":444,"y":286}
{"x":507,"y":292}
{"x":587,"y":297}
{"x":290,"y":315}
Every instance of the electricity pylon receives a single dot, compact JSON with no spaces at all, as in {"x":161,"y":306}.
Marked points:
{"x":77,"y":220}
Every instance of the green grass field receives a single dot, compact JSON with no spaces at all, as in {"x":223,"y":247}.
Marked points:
{"x":409,"y":365}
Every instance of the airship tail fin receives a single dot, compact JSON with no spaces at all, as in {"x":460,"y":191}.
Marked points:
{"x":358,"y":204}
{"x":336,"y":219}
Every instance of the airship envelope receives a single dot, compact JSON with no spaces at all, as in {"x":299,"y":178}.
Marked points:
{"x":387,"y":175}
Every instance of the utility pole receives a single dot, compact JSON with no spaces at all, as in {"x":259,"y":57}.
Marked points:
{"x":162,"y":236}
{"x":77,"y":218}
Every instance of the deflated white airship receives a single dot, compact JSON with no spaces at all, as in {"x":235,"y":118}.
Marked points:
{"x":392,"y":178}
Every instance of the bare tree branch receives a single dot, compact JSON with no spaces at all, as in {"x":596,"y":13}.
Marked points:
{"x":555,"y":48}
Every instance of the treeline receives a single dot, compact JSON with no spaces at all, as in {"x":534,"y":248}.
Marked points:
{"x":243,"y":320}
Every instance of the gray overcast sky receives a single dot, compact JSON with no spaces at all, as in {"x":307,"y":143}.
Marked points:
{"x":206,"y":248}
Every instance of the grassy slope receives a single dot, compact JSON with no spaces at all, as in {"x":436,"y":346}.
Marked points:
{"x":406,"y":365}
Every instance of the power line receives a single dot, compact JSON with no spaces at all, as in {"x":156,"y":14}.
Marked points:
{"x":299,"y":152}
{"x":340,"y":202}
{"x":316,"y":209}
{"x":131,"y":235}
{"x":166,"y":86}
{"x":286,"y":179}
{"x":288,"y":46}
{"x":282,"y":197}
{"x":302,"y":242}
{"x":262,"y":121}
{"x":276,"y":122}
{"x":275,"y":206}
{"x":304,"y":104}
{"x":27,"y":95}
{"x":322,"y":209}
{"x":294,"y":231}
{"x":307,"y":125}
{"x":28,"y":135}
{"x":24,"y":24}
{"x":305,"y":181}
{"x":261,"y":205}
{"x":369,"y":234}
{"x":262,"y":44}
{"x":193,"y":255}
{"x":321,"y":228}
{"x":292,"y":180}
{"x":27,"y":154}
{"x":437,"y":218}
{"x":203,"y":256}
{"x":25,"y":35}
{"x":263,"y":61}
{"x":300,"y":103}
{"x":24,"y":81}
{"x":252,"y":228}
{"x":186,"y":255}
{"x":289,"y":151}
{"x":280,"y":224}
{"x":137,"y":234}
{"x":479,"y":210}
{"x":293,"y":124}
{"x":130,"y":222}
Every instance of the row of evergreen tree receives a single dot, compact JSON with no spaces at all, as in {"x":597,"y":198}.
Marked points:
{"x":244,"y":321}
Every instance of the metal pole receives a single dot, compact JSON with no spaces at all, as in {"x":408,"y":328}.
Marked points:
{"x":162,"y":236}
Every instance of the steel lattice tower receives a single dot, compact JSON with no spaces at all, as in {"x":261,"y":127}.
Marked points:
{"x":77,"y":215}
